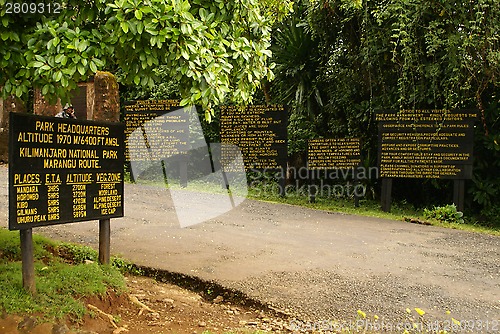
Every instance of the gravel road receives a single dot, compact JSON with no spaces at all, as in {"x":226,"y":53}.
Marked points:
{"x":318,"y":266}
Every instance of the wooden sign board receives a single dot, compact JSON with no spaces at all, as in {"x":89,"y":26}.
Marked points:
{"x":426,"y":143}
{"x":327,"y":153}
{"x":163,"y":134}
{"x":259,"y":131}
{"x":432,"y":144}
{"x":64,"y":170}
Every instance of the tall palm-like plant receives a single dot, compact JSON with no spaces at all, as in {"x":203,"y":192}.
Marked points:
{"x":295,"y":53}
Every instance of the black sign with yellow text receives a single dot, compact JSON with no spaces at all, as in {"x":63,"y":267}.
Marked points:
{"x":259,"y":131}
{"x":64,"y":170}
{"x":426,"y":143}
{"x":329,"y":153}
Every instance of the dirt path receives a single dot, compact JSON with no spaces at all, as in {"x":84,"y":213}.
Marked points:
{"x":313,"y":264}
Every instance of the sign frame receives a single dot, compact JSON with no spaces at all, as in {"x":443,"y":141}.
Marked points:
{"x":38,"y":147}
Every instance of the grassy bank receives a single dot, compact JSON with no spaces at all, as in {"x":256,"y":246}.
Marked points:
{"x":66,"y":275}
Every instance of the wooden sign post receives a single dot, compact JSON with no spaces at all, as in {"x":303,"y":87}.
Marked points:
{"x":28,"y":262}
{"x":63,"y":171}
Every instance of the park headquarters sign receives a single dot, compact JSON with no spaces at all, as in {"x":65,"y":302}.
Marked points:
{"x":63,"y":170}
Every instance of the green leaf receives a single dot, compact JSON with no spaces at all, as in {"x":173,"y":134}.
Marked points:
{"x":124,"y":26}
{"x":138,"y":14}
{"x":8,"y":86}
{"x":64,"y":82}
{"x":98,"y":62}
{"x":81,"y":69}
{"x":82,"y":46}
{"x":203,"y":14}
{"x":45,"y":90}
{"x":19,"y":91}
{"x":57,"y":76}
{"x":61,"y":59}
{"x":92,"y":66}
{"x":69,"y":70}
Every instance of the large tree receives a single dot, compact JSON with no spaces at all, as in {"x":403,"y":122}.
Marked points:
{"x":216,"y":49}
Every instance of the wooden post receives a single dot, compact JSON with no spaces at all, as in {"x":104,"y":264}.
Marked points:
{"x":386,"y":194}
{"x":28,"y":265}
{"x":459,"y":194}
{"x":312,"y":187}
{"x":356,"y":182}
{"x":282,"y":183}
{"x":104,"y":241}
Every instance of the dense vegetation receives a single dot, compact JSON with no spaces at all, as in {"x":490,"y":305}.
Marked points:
{"x":335,"y":62}
{"x":338,"y":62}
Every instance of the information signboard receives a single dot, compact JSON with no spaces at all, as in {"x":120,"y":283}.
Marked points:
{"x":328,"y":153}
{"x":164,"y":130}
{"x":259,"y":131}
{"x":64,"y":170}
{"x":426,"y":143}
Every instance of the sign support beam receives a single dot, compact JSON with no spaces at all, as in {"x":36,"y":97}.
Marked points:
{"x":386,"y":194}
{"x":459,"y":194}
{"x":28,"y":262}
{"x":104,"y":241}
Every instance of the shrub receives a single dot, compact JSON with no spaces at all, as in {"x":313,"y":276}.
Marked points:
{"x":445,"y":214}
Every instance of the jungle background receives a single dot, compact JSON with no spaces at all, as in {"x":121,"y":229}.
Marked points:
{"x":334,"y":62}
{"x":338,"y":63}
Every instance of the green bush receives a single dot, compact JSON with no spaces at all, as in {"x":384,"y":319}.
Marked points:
{"x":445,"y":214}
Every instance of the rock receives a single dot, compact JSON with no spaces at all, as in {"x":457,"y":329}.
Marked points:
{"x":243,"y":323}
{"x":60,"y":329}
{"x":218,"y":299}
{"x":89,"y":262}
{"x":202,"y":324}
{"x":153,"y":316}
{"x":27,"y":324}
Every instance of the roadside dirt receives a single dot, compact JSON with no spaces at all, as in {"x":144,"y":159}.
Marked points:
{"x":154,"y":307}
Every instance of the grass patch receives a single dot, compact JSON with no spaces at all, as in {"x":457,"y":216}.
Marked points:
{"x":269,"y":193}
{"x":62,"y":283}
{"x":370,"y":208}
